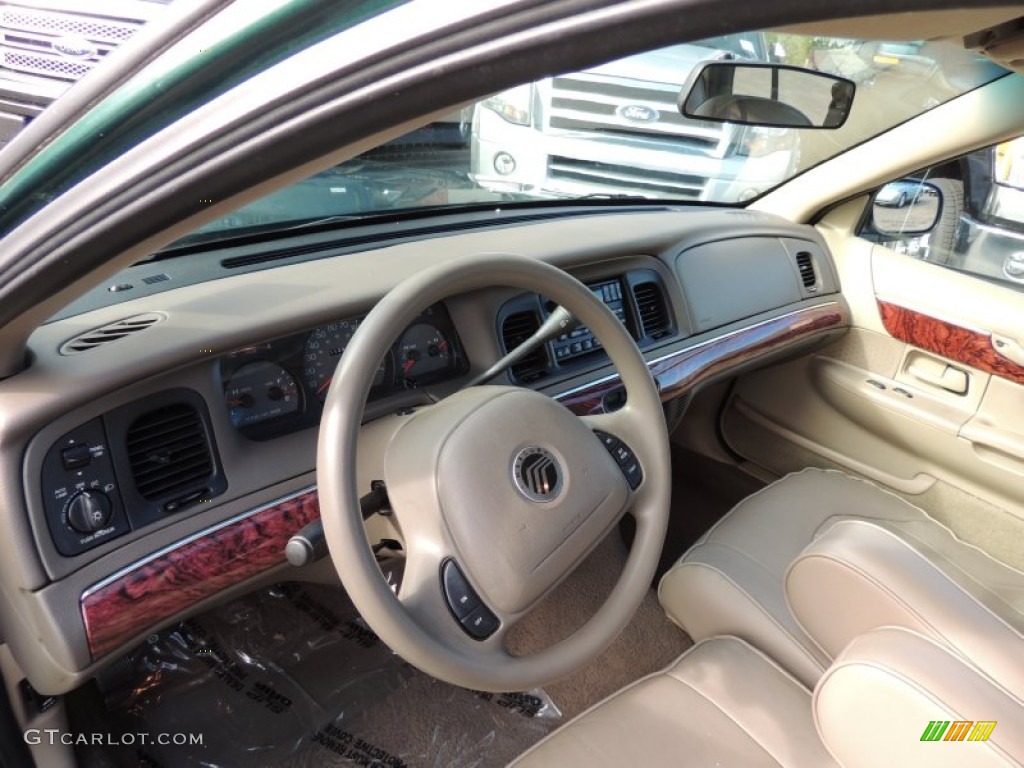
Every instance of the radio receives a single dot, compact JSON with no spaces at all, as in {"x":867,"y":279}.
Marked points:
{"x":581,"y":341}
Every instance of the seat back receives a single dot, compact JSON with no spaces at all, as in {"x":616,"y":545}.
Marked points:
{"x":859,"y":575}
{"x":895,"y":697}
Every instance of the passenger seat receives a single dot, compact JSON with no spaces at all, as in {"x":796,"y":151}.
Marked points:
{"x":723,"y":703}
{"x":812,"y":561}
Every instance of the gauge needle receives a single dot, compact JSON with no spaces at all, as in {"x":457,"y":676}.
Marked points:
{"x":323,"y":387}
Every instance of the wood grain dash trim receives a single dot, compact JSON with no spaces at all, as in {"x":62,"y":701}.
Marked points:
{"x":972,"y":348}
{"x":159,"y":588}
{"x":680,"y":372}
{"x":145,"y":595}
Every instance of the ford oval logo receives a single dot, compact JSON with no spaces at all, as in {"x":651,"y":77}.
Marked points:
{"x":638,"y":113}
{"x":75,"y":48}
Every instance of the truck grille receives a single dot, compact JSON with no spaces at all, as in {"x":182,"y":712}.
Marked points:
{"x":619,"y":178}
{"x":45,"y":65}
{"x":592,"y":104}
{"x":30,"y":41}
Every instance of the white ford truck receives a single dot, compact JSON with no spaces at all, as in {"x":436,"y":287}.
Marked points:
{"x":617,"y":127}
{"x":46,"y":45}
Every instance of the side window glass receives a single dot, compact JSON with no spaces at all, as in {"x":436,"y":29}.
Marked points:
{"x":967,"y":214}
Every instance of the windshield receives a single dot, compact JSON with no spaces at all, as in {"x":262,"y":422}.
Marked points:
{"x":615,"y":132}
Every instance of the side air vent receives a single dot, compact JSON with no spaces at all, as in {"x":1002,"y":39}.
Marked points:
{"x":805,"y":263}
{"x":110,"y":333}
{"x":169,"y":454}
{"x":650,"y":303}
{"x":515,"y":329}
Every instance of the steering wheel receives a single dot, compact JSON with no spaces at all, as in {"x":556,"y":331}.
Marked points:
{"x":500,"y":492}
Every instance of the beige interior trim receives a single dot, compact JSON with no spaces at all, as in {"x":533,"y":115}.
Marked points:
{"x":913,"y":483}
{"x":948,"y":134}
{"x":891,"y":683}
{"x":55,"y":718}
{"x":929,"y":25}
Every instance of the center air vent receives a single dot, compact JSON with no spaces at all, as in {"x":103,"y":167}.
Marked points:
{"x":805,"y":263}
{"x":110,"y":333}
{"x":515,"y":329}
{"x":169,"y":453}
{"x":655,"y":322}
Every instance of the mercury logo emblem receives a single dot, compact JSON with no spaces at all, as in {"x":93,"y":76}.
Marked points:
{"x":537,"y":474}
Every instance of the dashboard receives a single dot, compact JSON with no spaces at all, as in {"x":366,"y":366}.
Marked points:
{"x":169,"y":441}
{"x":279,"y":386}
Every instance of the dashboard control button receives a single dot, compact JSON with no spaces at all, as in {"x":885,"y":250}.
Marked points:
{"x":457,"y":593}
{"x":76,"y":456}
{"x":88,"y":511}
{"x":481,"y":623}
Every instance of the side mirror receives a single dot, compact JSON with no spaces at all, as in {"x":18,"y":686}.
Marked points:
{"x":906,"y":207}
{"x":771,"y":95}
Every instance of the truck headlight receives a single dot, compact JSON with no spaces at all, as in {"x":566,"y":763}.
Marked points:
{"x":513,"y":105}
{"x":1009,"y":163}
{"x":760,"y":141}
{"x":1014,"y":265}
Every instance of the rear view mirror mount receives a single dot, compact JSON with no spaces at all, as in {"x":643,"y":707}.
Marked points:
{"x":770,"y":95}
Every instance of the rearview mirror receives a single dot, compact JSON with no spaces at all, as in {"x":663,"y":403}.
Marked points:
{"x":906,"y":207}
{"x":771,"y":95}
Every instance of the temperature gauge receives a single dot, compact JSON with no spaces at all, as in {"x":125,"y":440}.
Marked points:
{"x":422,"y":351}
{"x":260,"y":391}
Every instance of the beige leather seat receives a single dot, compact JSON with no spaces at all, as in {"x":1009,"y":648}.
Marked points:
{"x":810,"y":562}
{"x":723,"y":703}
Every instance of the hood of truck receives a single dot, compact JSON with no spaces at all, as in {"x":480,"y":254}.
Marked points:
{"x":670,"y":66}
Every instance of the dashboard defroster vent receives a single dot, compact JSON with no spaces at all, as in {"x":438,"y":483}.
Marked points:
{"x":805,"y":263}
{"x":654,"y":318}
{"x":515,"y":329}
{"x":110,"y":333}
{"x":169,"y":453}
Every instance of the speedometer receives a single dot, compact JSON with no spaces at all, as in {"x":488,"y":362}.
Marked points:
{"x":324,"y":347}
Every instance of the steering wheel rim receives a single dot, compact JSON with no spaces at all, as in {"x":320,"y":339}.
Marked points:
{"x":412,"y":625}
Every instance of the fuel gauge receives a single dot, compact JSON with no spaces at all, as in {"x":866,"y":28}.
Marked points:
{"x":258,"y":392}
{"x":422,"y":351}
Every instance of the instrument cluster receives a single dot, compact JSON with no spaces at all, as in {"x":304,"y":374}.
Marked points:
{"x":280,"y":386}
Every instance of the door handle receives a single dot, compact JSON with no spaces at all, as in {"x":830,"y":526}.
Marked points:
{"x":1009,"y":348}
{"x":940,"y":375}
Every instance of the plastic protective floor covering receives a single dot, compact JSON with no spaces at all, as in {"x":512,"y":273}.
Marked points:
{"x":291,"y":676}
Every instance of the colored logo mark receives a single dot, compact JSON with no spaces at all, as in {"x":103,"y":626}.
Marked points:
{"x":958,"y":730}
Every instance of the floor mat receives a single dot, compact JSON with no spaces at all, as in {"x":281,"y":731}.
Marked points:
{"x":290,"y":676}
